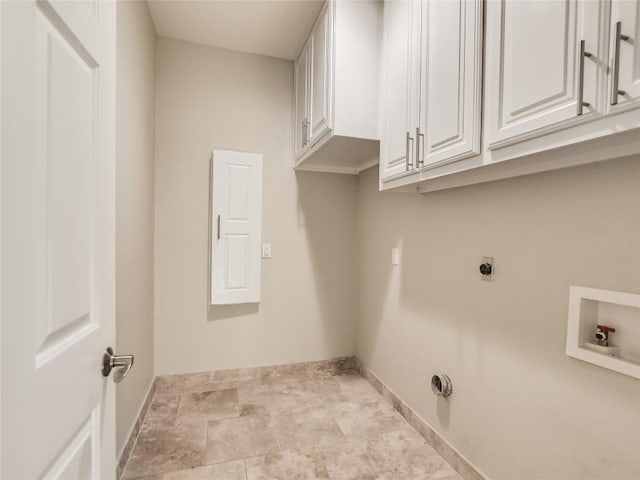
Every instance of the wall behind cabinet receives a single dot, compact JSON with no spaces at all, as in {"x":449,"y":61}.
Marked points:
{"x":209,"y":97}
{"x":521,"y":409}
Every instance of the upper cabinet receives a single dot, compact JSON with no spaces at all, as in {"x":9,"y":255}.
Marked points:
{"x":541,"y":78}
{"x":400,"y":62}
{"x":319,"y":79}
{"x":336,"y":89}
{"x":432,"y":84}
{"x":624,"y":63}
{"x":556,"y":84}
{"x":584,"y":65}
{"x":301,"y":80}
{"x":448,"y":126}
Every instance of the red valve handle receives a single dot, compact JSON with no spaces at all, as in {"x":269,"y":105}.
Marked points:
{"x":605,"y":329}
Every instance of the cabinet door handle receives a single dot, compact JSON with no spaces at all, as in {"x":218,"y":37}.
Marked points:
{"x":581,"y":102}
{"x":615,"y":91}
{"x":419,"y":137}
{"x":409,"y":163}
{"x":218,"y":228}
{"x":304,"y":132}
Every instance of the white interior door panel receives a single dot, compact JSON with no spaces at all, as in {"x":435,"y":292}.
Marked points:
{"x":58,"y":238}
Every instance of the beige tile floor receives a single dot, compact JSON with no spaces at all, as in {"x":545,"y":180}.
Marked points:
{"x":321,"y":427}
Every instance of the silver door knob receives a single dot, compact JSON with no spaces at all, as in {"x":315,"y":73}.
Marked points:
{"x":122,"y":364}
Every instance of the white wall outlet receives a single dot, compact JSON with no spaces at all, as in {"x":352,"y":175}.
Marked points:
{"x":395,"y":256}
{"x":487,"y":269}
{"x":266,"y":250}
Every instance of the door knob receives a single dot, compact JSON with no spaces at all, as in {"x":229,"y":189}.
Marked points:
{"x":122,"y":364}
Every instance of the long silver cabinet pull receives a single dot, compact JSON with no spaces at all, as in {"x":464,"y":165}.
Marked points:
{"x":581,"y":102}
{"x":419,"y":137}
{"x":615,"y":91}
{"x":409,"y":163}
{"x":305,"y":127}
{"x":218,"y":234}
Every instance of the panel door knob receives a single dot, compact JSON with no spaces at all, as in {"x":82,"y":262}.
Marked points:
{"x":121,"y":363}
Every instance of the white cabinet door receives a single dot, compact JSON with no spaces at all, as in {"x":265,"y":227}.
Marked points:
{"x":58,"y":239}
{"x":625,"y":39}
{"x":319,"y":85}
{"x":414,"y":112}
{"x":450,"y":81}
{"x":301,"y":81}
{"x":533,"y":67}
{"x":399,"y":71}
{"x":236,"y":196}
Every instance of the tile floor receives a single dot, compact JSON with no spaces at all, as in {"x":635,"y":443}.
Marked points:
{"x":319,"y":426}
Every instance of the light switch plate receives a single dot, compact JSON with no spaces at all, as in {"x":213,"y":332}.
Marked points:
{"x":266,"y":250}
{"x":395,"y":256}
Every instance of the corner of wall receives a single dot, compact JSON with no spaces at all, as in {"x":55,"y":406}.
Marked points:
{"x":135,"y":143}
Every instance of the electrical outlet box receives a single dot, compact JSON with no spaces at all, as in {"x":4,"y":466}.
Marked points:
{"x":487,"y":269}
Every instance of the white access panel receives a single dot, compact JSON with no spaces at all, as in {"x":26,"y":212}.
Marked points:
{"x":236,"y":227}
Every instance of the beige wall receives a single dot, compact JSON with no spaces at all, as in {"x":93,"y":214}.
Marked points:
{"x":209,"y":97}
{"x":521,"y":408}
{"x":134,"y":206}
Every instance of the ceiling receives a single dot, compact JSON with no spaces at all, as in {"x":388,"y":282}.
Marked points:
{"x":277,"y":28}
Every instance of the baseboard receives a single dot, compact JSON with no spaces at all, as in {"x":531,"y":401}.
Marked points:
{"x":440,"y":445}
{"x":123,"y":458}
{"x":338,"y":364}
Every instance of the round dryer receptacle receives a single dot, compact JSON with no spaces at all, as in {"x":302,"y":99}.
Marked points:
{"x":441,"y":385}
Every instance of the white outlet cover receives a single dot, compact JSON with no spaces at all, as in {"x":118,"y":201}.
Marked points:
{"x":266,"y":250}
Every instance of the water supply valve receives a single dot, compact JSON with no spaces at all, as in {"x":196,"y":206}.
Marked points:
{"x":602,"y":334}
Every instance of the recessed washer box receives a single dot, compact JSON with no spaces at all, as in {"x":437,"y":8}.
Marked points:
{"x":589,"y":307}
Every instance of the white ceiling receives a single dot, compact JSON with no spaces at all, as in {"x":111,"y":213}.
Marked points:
{"x":277,"y":28}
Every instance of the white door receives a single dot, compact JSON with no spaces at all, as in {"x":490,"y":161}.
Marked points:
{"x":400,"y":30}
{"x":451,"y":79}
{"x":319,"y":76}
{"x":301,"y":100}
{"x":236,"y":196}
{"x":625,"y":45}
{"x":57,"y":184}
{"x":533,"y":67}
